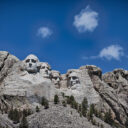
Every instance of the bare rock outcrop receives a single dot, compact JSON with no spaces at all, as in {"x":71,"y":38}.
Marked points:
{"x":79,"y":85}
{"x":24,"y":83}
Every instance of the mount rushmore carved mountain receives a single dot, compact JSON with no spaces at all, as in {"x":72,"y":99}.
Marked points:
{"x":23,"y":85}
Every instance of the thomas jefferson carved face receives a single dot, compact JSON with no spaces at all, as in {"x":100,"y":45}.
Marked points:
{"x":31,"y":63}
{"x":45,"y":69}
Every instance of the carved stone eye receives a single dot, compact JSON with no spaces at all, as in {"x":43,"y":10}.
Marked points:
{"x":28,"y":60}
{"x":55,"y":78}
{"x":43,"y":67}
{"x":74,"y":77}
{"x":34,"y":61}
{"x":69,"y":78}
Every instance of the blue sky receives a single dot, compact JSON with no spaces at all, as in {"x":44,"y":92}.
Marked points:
{"x":67,"y":33}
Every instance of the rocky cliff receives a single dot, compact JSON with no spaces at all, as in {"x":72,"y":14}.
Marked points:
{"x":24,"y":83}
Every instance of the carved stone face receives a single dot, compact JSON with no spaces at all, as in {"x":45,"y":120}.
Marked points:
{"x":73,"y":79}
{"x":45,"y":69}
{"x":31,"y":63}
{"x":56,"y":78}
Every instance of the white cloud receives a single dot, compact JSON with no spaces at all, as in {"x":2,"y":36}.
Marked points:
{"x":112,"y":52}
{"x":109,"y":53}
{"x":44,"y":32}
{"x":86,"y":20}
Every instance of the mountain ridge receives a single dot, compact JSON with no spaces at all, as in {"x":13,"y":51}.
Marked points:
{"x":24,"y":83}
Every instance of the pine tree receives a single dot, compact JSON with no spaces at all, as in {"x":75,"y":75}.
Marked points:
{"x":10,"y":114}
{"x":64,"y":103}
{"x":37,"y":109}
{"x":85,"y":103}
{"x":16,"y":116}
{"x":68,"y":99}
{"x":56,"y":99}
{"x":84,"y":107}
{"x":46,"y":105}
{"x":24,"y":123}
{"x":102,"y":126}
{"x":79,"y":108}
{"x":43,"y":101}
{"x":72,"y":98}
{"x":92,"y":110}
{"x":63,"y":94}
{"x":27,"y":112}
{"x":93,"y":121}
{"x":108,"y":117}
{"x":126,"y":123}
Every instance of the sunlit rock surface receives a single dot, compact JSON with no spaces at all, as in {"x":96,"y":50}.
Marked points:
{"x":24,"y":83}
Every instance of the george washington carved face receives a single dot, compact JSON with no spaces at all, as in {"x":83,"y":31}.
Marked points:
{"x":31,"y":63}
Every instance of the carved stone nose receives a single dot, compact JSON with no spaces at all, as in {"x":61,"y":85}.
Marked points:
{"x":46,"y":71}
{"x":30,"y":65}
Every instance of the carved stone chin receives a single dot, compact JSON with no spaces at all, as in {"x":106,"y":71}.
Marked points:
{"x":31,"y":64}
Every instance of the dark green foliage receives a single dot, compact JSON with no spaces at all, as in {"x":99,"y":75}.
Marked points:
{"x":99,"y":115}
{"x":84,"y":112}
{"x":84,"y":106}
{"x":80,"y":114}
{"x":37,"y":109}
{"x":24,"y":123}
{"x":74,"y":104}
{"x":70,"y":99}
{"x":108,"y":117}
{"x":45,"y":103}
{"x":126,"y":123}
{"x":63,"y":94}
{"x":96,"y":113}
{"x":27,"y":112}
{"x":14,"y":115}
{"x":64,"y":103}
{"x":102,"y":126}
{"x":79,"y":108}
{"x":93,"y":121}
{"x":10,"y":114}
{"x":56,"y":99}
{"x":46,"y":106}
{"x":85,"y":103}
{"x":91,"y":110}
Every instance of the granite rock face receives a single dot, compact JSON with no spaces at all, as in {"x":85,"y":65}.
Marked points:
{"x":79,"y":84}
{"x":31,"y":86}
{"x":5,"y":122}
{"x":6,"y":62}
{"x":24,"y":83}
